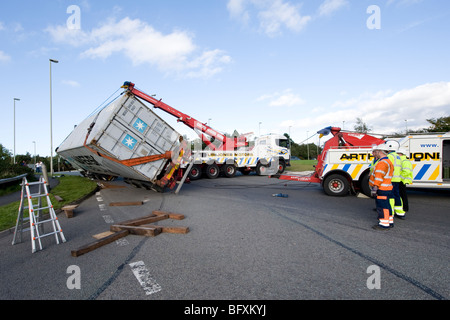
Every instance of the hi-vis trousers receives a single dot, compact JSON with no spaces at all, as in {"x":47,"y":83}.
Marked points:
{"x":384,"y":209}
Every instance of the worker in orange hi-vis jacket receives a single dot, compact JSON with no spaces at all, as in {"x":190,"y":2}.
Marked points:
{"x":381,"y":188}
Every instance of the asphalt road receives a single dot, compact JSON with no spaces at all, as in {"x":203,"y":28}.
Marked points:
{"x":243,"y":244}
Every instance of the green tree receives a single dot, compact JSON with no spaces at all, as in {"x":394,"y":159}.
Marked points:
{"x":5,"y":154}
{"x":361,"y":126}
{"x":441,"y":124}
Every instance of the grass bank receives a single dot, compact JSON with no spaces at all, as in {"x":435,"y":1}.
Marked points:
{"x":302,"y":165}
{"x":70,"y":189}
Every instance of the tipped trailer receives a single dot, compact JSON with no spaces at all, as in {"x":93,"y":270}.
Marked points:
{"x":126,"y":139}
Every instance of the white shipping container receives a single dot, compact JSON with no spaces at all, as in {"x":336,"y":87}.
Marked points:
{"x":125,"y":129}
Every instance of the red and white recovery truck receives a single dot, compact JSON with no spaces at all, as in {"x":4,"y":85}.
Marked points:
{"x":227,"y":155}
{"x":343,"y":164}
{"x":126,"y":138}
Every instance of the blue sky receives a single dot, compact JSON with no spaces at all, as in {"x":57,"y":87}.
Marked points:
{"x":294,"y":66}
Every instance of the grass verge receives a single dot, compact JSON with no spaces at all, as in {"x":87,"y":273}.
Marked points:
{"x":70,"y":188}
{"x":302,"y":165}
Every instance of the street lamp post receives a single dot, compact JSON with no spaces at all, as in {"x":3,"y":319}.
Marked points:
{"x":34,"y":142}
{"x":51,"y":129}
{"x":15,"y":99}
{"x":307,"y":142}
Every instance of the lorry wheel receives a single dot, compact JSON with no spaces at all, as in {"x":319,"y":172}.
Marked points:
{"x":336,"y":185}
{"x":212,"y":171}
{"x":281,"y":166}
{"x":364,"y":184}
{"x":229,"y":170}
{"x":195,"y":173}
{"x":261,"y":169}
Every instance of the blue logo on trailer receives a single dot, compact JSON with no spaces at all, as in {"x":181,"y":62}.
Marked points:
{"x":129,"y":141}
{"x":140,"y":125}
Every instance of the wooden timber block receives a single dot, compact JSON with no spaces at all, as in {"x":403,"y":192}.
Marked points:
{"x":68,"y":210}
{"x":171,"y":229}
{"x":58,"y":198}
{"x":102,"y":235}
{"x":175,"y":216}
{"x":99,"y":243}
{"x":138,"y":230}
{"x":110,"y":186}
{"x":122,"y":204}
{"x":143,"y":220}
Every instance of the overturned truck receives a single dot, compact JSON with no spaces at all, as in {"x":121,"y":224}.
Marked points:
{"x":126,"y":139}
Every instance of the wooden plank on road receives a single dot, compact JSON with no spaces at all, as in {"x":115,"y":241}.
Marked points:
{"x":99,"y":243}
{"x":138,"y":230}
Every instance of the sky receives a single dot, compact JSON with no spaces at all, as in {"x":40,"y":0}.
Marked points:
{"x":261,"y":66}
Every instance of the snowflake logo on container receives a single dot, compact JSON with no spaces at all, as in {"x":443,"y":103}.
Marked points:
{"x":129,"y":142}
{"x":140,"y":125}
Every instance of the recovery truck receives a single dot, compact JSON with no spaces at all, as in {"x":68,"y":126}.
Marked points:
{"x":226,"y":154}
{"x":430,"y":158}
{"x":343,"y":165}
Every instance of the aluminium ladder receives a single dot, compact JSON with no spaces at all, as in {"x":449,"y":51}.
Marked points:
{"x":35,"y":215}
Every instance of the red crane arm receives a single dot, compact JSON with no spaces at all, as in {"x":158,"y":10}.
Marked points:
{"x":181,"y":117}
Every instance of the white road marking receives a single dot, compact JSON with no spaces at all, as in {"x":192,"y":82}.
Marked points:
{"x":108,"y":219}
{"x":145,"y":279}
{"x":122,"y":242}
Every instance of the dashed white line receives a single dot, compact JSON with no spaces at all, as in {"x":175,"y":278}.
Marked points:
{"x":146,"y":281}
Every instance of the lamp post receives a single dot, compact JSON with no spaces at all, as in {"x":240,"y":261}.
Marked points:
{"x":34,"y":142}
{"x":51,"y":129}
{"x":307,"y":142}
{"x":15,"y":99}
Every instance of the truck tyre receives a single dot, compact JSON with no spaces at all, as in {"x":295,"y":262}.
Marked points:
{"x":336,"y":185}
{"x":195,"y":173}
{"x":261,"y":169}
{"x":364,"y":184}
{"x":212,"y":171}
{"x":229,"y":170}
{"x":281,"y":166}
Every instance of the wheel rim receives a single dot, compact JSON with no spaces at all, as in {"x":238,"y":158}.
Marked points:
{"x":336,"y":185}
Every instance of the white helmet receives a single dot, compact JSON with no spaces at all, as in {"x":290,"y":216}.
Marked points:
{"x":392,"y":145}
{"x":382,"y":147}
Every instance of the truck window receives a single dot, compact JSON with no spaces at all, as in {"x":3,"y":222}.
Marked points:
{"x":284,"y":143}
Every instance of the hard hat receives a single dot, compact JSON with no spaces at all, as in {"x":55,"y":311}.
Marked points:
{"x":382,"y":147}
{"x":392,"y":145}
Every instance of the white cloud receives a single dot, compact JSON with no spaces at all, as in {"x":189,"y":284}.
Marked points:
{"x":71,"y":83}
{"x":142,"y":44}
{"x":284,"y":99}
{"x":403,"y":2}
{"x":273,"y":15}
{"x":330,"y":6}
{"x":386,"y":112}
{"x":4,"y":57}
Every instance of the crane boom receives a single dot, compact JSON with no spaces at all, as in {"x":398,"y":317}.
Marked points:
{"x":202,"y":129}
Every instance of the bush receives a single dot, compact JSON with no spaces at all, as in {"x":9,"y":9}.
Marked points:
{"x":13,"y":170}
